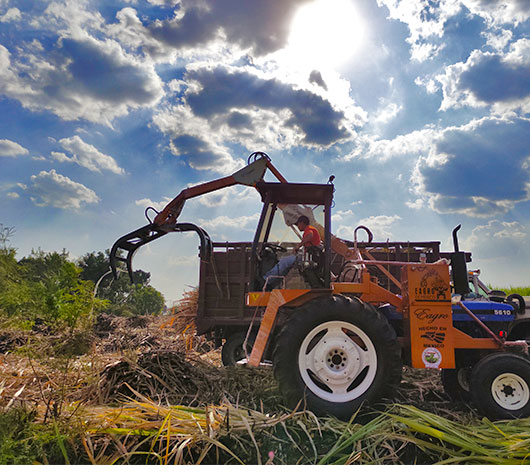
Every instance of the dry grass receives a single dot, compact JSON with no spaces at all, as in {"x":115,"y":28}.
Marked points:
{"x":167,"y":407}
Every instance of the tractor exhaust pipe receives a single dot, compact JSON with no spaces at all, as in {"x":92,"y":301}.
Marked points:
{"x":455,"y":239}
{"x":459,"y":267}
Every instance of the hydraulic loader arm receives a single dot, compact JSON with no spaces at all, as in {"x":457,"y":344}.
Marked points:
{"x":166,"y":220}
{"x":258,"y":163}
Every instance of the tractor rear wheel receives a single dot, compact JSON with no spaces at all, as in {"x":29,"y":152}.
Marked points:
{"x":500,"y":386}
{"x":336,"y":353}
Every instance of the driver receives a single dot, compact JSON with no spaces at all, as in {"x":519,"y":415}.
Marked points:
{"x":310,"y":238}
{"x":310,"y":235}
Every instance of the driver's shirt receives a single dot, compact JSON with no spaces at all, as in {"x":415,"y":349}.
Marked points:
{"x":315,"y":239}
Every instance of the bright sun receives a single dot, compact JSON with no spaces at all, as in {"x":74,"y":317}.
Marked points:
{"x":325,"y":33}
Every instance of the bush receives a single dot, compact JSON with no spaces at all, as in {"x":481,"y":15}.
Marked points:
{"x":45,"y":288}
{"x":49,"y":290}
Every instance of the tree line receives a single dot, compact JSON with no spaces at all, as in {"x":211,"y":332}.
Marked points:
{"x":48,"y":289}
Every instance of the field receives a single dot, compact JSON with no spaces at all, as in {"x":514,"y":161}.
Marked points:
{"x":521,"y":290}
{"x":147,"y":390}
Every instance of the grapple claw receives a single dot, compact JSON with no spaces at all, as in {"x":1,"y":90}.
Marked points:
{"x":134,"y":240}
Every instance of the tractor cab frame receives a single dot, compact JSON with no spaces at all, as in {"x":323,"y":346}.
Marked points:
{"x":282,"y":206}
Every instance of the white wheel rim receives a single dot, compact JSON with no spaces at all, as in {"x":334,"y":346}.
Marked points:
{"x":337,"y":361}
{"x":510,"y":391}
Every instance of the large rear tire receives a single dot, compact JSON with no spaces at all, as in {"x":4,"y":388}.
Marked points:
{"x":500,"y":385}
{"x":336,"y":353}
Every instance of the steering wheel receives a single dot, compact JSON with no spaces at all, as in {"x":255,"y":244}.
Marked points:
{"x":275,"y":248}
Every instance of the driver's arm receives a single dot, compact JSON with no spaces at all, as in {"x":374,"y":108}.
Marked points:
{"x":306,"y":239}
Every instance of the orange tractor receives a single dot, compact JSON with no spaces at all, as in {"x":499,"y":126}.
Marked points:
{"x":342,"y":320}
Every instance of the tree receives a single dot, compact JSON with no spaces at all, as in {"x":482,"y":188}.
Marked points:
{"x":6,"y":232}
{"x":146,"y":300}
{"x":13,"y":291}
{"x":124,"y":298}
{"x":96,"y":265}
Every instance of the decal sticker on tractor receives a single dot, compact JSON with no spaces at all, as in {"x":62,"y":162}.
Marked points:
{"x":434,"y":336}
{"x":431,"y":357}
{"x":430,"y":316}
{"x":430,"y":320}
{"x":429,"y":283}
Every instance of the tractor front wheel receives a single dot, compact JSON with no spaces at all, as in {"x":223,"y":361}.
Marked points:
{"x":500,"y":386}
{"x":334,"y":354}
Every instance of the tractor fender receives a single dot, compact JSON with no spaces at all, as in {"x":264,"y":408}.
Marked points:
{"x":519,"y":329}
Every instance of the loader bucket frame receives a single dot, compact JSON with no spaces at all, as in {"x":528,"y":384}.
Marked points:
{"x":134,"y":240}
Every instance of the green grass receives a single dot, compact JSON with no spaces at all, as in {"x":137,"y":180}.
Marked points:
{"x":25,"y":442}
{"x":521,"y":290}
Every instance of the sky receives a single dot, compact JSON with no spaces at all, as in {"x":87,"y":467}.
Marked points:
{"x":421,"y":110}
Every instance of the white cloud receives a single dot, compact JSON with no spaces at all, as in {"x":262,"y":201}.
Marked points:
{"x":193,"y":139}
{"x":86,"y":155}
{"x":387,"y":112}
{"x":61,"y":157}
{"x":379,"y":225}
{"x":417,"y":204}
{"x":12,"y":15}
{"x":147,"y":202}
{"x":242,"y":105}
{"x":9,"y":148}
{"x":260,"y":25}
{"x":372,"y":148}
{"x":228,"y":195}
{"x":425,"y":20}
{"x":218,"y":29}
{"x":498,"y":239}
{"x":498,"y":39}
{"x":499,"y":248}
{"x":479,"y":169}
{"x":430,"y":85}
{"x":475,"y":83}
{"x":424,"y":51}
{"x":70,"y":18}
{"x":13,"y":195}
{"x":342,"y":215}
{"x":131,"y":32}
{"x":178,"y":261}
{"x":50,"y":189}
{"x":223,"y":222}
{"x":500,"y":12}
{"x":80,"y":78}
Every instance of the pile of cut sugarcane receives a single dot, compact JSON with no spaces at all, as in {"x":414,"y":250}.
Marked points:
{"x":142,"y":431}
